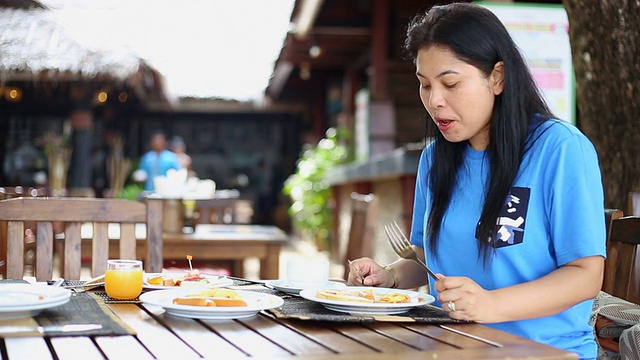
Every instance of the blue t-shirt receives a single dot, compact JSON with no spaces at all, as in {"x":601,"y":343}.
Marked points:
{"x":554,"y":215}
{"x":155,"y":164}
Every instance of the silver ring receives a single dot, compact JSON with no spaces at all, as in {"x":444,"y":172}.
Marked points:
{"x":451,"y":305}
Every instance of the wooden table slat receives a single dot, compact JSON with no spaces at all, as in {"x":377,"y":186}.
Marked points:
{"x":206,"y":342}
{"x":417,"y":340}
{"x":291,"y":340}
{"x":371,"y":338}
{"x":245,"y":338}
{"x":75,"y":347}
{"x":523,"y":352}
{"x":490,"y":333}
{"x":447,"y":337}
{"x":327,"y":337}
{"x":122,"y":347}
{"x":27,"y":348}
{"x":155,"y":337}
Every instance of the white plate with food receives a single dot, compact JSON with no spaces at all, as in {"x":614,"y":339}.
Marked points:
{"x":285,"y":287}
{"x":24,"y":300}
{"x":368,"y":300}
{"x":191,"y":279}
{"x":211,"y":304}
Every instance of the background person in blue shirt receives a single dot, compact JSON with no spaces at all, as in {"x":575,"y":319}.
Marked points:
{"x":158,"y":160}
{"x":509,"y":203}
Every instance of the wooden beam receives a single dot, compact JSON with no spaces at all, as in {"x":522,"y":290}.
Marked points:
{"x":280,"y":76}
{"x":306,"y":18}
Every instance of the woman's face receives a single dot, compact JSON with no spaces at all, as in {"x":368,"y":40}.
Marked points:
{"x":457,"y":95}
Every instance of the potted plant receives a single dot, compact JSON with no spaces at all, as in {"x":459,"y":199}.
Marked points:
{"x":57,"y":148}
{"x":310,"y":192}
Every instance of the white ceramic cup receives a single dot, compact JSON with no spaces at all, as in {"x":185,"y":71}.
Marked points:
{"x":307,"y":273}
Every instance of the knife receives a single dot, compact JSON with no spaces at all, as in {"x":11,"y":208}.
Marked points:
{"x":49,"y":328}
{"x":68,"y":328}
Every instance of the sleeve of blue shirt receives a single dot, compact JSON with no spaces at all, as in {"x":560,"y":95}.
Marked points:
{"x":575,"y":200}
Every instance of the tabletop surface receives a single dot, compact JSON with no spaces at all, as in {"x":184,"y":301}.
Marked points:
{"x":265,"y":336}
{"x":239,"y":232}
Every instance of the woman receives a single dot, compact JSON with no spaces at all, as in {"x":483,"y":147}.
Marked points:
{"x":509,"y":205}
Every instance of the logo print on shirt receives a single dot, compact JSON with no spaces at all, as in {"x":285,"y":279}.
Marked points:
{"x":510,"y":224}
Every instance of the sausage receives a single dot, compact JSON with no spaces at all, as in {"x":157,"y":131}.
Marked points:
{"x":207,"y":301}
{"x":228,"y":302}
{"x":194,"y":301}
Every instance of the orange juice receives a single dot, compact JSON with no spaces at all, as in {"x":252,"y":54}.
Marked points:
{"x":123,"y":280}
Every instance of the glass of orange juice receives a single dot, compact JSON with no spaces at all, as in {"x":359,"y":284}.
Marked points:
{"x":123,"y":279}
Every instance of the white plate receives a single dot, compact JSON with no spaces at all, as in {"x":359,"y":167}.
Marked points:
{"x":214,"y":281}
{"x":417,"y":299}
{"x":24,"y":300}
{"x":255,"y":303}
{"x":283,"y":285}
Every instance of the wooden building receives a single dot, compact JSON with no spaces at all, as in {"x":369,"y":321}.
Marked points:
{"x":48,"y":79}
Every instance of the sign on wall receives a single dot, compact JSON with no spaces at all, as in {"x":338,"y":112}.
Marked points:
{"x":541,"y":31}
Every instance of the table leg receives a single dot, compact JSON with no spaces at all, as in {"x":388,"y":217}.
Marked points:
{"x":270,"y":265}
{"x":238,"y":268}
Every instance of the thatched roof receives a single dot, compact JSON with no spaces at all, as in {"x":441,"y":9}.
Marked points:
{"x":36,"y":47}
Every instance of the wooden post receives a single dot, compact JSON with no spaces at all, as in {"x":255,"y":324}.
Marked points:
{"x":379,"y":49}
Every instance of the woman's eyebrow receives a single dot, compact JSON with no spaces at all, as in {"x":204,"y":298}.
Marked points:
{"x":446,"y":72}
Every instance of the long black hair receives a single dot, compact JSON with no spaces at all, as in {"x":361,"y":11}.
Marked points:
{"x":476,"y":36}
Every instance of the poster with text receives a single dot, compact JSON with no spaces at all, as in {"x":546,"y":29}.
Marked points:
{"x":541,"y":31}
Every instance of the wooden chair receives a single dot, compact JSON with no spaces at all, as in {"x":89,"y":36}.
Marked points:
{"x":361,"y":232}
{"x":72,"y":213}
{"x":622,"y":267}
{"x":11,"y":192}
{"x":20,"y":191}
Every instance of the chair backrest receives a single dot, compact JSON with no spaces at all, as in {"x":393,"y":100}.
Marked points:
{"x":361,"y":232}
{"x":633,"y":203}
{"x":71,"y":214}
{"x":216,"y":211}
{"x":10,"y":192}
{"x":622,"y":267}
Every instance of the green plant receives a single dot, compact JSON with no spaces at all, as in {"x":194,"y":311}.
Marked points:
{"x":130,"y":192}
{"x":309,"y":189}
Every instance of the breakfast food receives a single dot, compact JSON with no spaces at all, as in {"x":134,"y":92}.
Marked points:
{"x":212,"y":297}
{"x":194,"y":301}
{"x":365,"y":296}
{"x":191,"y":278}
{"x":347,"y":295}
{"x":395,"y":297}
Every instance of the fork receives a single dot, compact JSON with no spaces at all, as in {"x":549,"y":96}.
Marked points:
{"x":402,"y":246}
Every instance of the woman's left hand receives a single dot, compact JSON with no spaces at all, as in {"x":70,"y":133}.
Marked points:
{"x":464,"y":299}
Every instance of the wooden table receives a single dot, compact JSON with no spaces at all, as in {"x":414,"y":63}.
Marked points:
{"x":265,"y":337}
{"x":230,"y":242}
{"x":213,"y":242}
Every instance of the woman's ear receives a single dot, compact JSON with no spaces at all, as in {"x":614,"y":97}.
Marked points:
{"x":497,"y":78}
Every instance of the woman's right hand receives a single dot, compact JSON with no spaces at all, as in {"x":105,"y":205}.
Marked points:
{"x":367,"y":272}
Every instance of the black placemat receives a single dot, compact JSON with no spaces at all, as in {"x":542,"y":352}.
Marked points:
{"x":299,"y":308}
{"x":109,"y":300}
{"x":84,"y":308}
